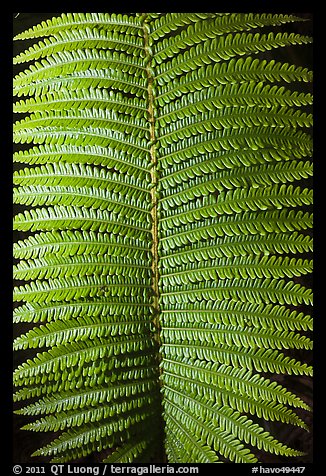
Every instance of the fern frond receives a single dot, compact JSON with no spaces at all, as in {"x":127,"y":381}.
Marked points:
{"x":237,"y":313}
{"x":74,"y":355}
{"x":225,"y":162}
{"x":46,"y":268}
{"x":253,"y":138}
{"x":236,"y":336}
{"x":161,"y":25}
{"x":93,"y":135}
{"x":261,"y":360}
{"x":235,"y":70}
{"x":57,"y":333}
{"x":222,"y":442}
{"x":246,"y":290}
{"x":68,"y":399}
{"x":69,"y":40}
{"x":88,"y":197}
{"x":271,"y":221}
{"x":185,"y":445}
{"x":66,"y":62}
{"x":85,"y":117}
{"x":268,"y":267}
{"x":225,"y":48}
{"x":233,"y":118}
{"x":71,"y":217}
{"x":84,"y":416}
{"x":238,"y":200}
{"x":75,"y":242}
{"x":134,"y":443}
{"x":40,"y":312}
{"x":89,"y":98}
{"x":79,"y":175}
{"x":90,"y":434}
{"x":249,"y":93}
{"x":164,"y":246}
{"x":74,"y":287}
{"x":97,"y":155}
{"x":224,"y":418}
{"x":231,"y":246}
{"x":235,"y":177}
{"x":218,"y":25}
{"x":72,"y":20}
{"x":89,"y":80}
{"x":236,"y":383}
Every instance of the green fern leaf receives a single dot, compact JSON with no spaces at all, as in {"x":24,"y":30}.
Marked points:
{"x":163,"y":236}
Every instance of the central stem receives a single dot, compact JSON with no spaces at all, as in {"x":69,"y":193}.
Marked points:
{"x":154,"y":214}
{"x":154,"y":184}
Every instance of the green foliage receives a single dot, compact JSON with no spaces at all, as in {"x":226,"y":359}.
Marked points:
{"x":164,"y":235}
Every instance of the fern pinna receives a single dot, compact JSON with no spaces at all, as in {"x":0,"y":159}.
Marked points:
{"x":166,"y":228}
